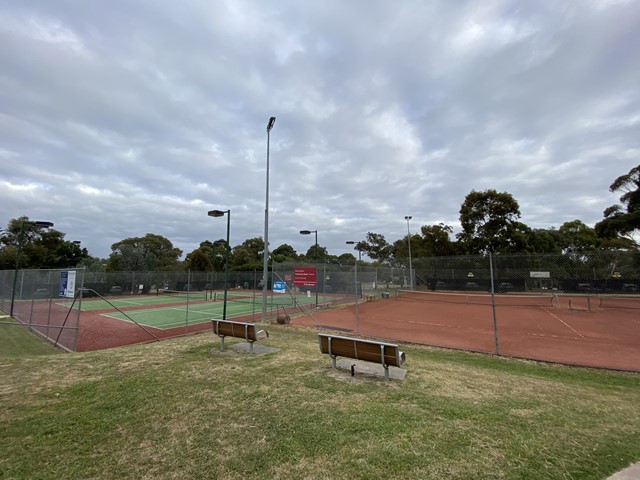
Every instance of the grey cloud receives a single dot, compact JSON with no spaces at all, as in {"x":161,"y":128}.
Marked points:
{"x":145,"y":116}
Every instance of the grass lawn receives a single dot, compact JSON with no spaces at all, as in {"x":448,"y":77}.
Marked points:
{"x":17,"y":341}
{"x":183,"y":409}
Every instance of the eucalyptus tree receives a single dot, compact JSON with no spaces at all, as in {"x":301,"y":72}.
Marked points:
{"x":489,"y":221}
{"x":623,"y":220}
{"x":376,"y":247}
{"x":148,"y":253}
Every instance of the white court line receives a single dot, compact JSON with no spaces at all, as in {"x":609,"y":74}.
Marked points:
{"x":563,"y":322}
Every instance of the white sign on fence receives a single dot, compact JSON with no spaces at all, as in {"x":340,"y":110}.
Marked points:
{"x":540,"y":274}
{"x":67,"y":286}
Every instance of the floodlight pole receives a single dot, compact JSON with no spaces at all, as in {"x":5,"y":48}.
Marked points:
{"x":21,"y":234}
{"x":351,"y":242}
{"x":265,"y":259}
{"x":309,"y":232}
{"x":407,"y":218}
{"x":227,"y":249}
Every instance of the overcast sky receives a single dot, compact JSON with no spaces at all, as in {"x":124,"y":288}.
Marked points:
{"x":129,"y":117}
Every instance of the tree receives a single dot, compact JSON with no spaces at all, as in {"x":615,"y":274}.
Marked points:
{"x":376,"y":247}
{"x":22,"y":234}
{"x":148,"y":253}
{"x":543,"y":241}
{"x":39,"y":247}
{"x":215,"y":253}
{"x":199,"y":260}
{"x":316,"y":253}
{"x":436,"y":240}
{"x":248,"y":255}
{"x":346,"y":259}
{"x":575,"y":237}
{"x":619,"y":221}
{"x":284,"y":253}
{"x":488,"y":221}
{"x":92,"y":264}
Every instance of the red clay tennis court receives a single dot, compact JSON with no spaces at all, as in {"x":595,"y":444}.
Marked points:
{"x":599,"y":332}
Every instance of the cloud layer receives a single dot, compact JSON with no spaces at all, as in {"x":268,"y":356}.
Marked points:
{"x":132,"y":117}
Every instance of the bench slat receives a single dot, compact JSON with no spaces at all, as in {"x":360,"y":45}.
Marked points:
{"x":235,"y":329}
{"x":359,"y":349}
{"x":229,"y":328}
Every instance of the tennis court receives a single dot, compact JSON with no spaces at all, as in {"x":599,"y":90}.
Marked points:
{"x":117,"y":321}
{"x":90,"y":304}
{"x":576,"y":330}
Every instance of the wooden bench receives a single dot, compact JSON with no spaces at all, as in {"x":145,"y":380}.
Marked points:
{"x":229,"y":328}
{"x":386,"y":354}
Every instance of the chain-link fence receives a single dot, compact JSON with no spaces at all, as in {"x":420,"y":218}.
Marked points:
{"x":36,"y":300}
{"x":606,"y":272}
{"x":31,"y":297}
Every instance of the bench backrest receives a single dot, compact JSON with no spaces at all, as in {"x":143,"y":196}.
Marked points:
{"x":229,"y":328}
{"x":367,"y":350}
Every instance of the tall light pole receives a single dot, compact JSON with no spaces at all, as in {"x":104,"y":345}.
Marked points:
{"x":265,"y":259}
{"x":407,"y":218}
{"x":36,"y":223}
{"x":309,"y":232}
{"x":227,"y":248}
{"x":351,"y":242}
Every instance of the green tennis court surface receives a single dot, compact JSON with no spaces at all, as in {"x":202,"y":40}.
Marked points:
{"x":196,"y":312}
{"x":170,"y":317}
{"x":111,"y":303}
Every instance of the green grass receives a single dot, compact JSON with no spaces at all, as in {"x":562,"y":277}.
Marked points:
{"x":17,"y":341}
{"x":183,"y":409}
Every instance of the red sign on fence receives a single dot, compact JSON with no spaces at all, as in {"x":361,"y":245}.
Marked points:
{"x":304,"y":276}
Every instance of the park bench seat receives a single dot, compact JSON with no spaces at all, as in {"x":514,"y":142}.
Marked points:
{"x":386,"y":354}
{"x":229,"y":328}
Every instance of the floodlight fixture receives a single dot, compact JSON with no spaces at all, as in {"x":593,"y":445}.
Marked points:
{"x":265,"y":255}
{"x":39,"y":223}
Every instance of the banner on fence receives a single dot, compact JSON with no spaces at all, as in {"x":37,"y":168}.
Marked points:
{"x":67,"y":286}
{"x":304,"y":276}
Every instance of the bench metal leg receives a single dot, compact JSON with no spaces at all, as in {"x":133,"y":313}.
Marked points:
{"x":250,"y":347}
{"x":333,"y":361}
{"x":386,"y":372}
{"x":222,"y":344}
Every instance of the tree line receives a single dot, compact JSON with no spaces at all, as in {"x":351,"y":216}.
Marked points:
{"x":490,"y":222}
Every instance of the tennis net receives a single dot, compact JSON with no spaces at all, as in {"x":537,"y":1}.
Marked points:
{"x":253,"y":298}
{"x":620,"y":302}
{"x":480,"y":299}
{"x":184,"y":294}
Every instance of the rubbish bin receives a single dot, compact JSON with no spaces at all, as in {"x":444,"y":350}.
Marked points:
{"x":385,"y":294}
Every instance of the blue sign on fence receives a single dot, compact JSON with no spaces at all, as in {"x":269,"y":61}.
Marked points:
{"x":279,"y":287}
{"x":67,"y":286}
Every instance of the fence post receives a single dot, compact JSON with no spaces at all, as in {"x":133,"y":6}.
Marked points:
{"x":493,"y":303}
